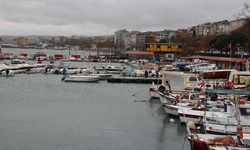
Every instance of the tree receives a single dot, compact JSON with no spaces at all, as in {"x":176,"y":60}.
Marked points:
{"x":246,"y":30}
{"x":211,"y":43}
{"x":187,"y":42}
{"x":162,"y":41}
{"x":245,"y":11}
{"x":203,"y":42}
{"x":222,"y":41}
{"x":238,"y":38}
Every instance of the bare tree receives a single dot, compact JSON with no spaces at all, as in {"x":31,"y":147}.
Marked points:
{"x":246,"y":10}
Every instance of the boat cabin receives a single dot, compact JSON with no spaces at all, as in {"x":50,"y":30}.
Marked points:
{"x":240,"y":78}
{"x":192,"y":81}
{"x":189,"y":81}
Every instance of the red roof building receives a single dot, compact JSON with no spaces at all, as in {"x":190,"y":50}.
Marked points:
{"x":139,"y":53}
{"x":223,"y":62}
{"x":223,"y":59}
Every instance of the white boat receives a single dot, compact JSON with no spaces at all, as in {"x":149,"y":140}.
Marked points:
{"x":197,"y":114}
{"x":17,"y":64}
{"x":173,"y":109}
{"x":113,"y":70}
{"x":102,"y":76}
{"x":191,"y":82}
{"x":229,"y":125}
{"x":94,"y":72}
{"x":80,"y":78}
{"x":200,"y":67}
{"x":224,"y":129}
{"x":70,"y":70}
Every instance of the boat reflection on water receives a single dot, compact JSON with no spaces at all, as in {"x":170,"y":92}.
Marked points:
{"x":169,"y":129}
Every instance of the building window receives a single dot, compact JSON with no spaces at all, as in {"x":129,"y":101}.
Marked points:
{"x":158,"y":46}
{"x":179,"y":46}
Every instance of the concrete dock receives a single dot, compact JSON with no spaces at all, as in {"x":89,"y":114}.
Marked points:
{"x":134,"y":80}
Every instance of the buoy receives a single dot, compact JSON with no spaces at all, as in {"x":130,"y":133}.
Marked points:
{"x":172,"y":120}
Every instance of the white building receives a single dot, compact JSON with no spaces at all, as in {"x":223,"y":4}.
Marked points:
{"x":217,"y":28}
{"x":203,"y":30}
{"x":235,"y":24}
{"x":120,"y":38}
{"x":130,"y":40}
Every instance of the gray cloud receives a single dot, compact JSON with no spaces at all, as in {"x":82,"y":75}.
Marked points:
{"x":97,"y":17}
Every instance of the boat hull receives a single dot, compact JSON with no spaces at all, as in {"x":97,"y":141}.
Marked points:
{"x":171,"y":110}
{"x":81,"y":79}
{"x":196,"y":116}
{"x":102,"y":76}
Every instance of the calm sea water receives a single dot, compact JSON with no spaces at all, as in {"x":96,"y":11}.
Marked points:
{"x":39,"y":112}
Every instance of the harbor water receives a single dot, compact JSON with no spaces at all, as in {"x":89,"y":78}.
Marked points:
{"x":40,"y":112}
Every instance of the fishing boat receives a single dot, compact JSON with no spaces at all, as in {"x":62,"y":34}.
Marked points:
{"x":225,"y":110}
{"x":228,"y":126}
{"x":196,"y":114}
{"x":218,"y":142}
{"x":172,"y":109}
{"x":241,"y":141}
{"x":190,"y":82}
{"x":80,"y":78}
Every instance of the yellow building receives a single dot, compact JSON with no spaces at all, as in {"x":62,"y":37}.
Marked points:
{"x":163,"y":47}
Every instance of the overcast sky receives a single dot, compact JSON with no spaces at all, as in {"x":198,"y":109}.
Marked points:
{"x":103,"y":17}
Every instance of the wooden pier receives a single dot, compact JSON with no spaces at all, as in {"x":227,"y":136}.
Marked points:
{"x":135,"y":80}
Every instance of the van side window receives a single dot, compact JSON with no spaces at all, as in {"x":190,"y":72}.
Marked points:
{"x":192,"y":79}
